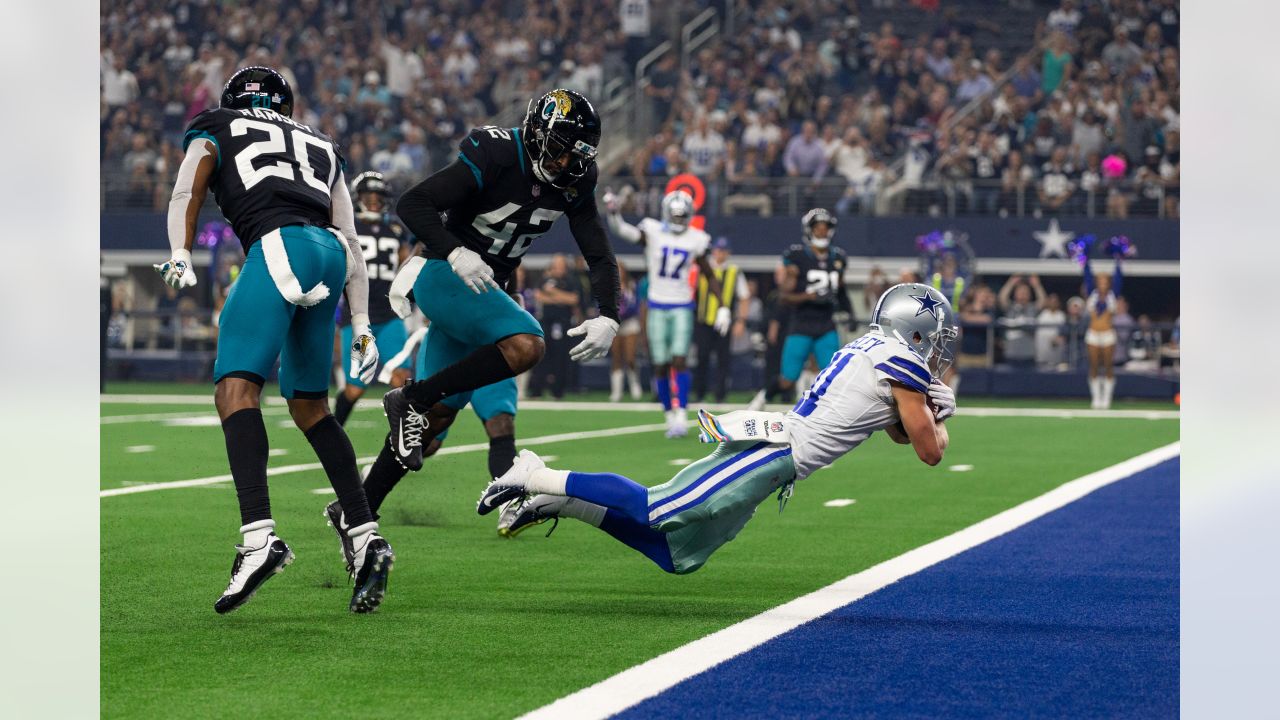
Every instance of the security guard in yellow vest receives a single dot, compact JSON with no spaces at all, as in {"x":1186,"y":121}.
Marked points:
{"x":710,"y":339}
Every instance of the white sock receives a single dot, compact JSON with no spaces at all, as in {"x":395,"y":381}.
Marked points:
{"x":633,"y":380}
{"x":1095,"y":391}
{"x":615,"y":384}
{"x":546,"y":480}
{"x":579,"y":509}
{"x":255,"y":533}
{"x":1108,"y":388}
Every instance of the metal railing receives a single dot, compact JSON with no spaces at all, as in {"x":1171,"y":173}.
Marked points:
{"x":932,"y":197}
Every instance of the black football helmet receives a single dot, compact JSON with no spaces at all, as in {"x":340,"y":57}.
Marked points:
{"x":813,"y":217}
{"x":560,"y":122}
{"x":368,"y":183}
{"x":258,"y":86}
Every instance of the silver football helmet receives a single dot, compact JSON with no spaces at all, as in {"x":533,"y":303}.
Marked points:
{"x":677,"y":210}
{"x":813,"y":217}
{"x":921,"y":317}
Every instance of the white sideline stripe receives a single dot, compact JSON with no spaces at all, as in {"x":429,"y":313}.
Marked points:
{"x":162,"y":417}
{"x":368,"y":403}
{"x":305,"y":467}
{"x":629,"y":687}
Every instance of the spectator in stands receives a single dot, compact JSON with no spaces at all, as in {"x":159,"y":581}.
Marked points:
{"x":1121,"y":53}
{"x":119,"y":85}
{"x":746,"y":184}
{"x":1124,"y":326}
{"x":1014,"y":183}
{"x":1065,"y":19}
{"x":704,"y":149}
{"x":1073,"y":331}
{"x":805,"y":156}
{"x":974,"y":82}
{"x":1056,"y":186}
{"x":1055,"y":67}
{"x":1021,"y":301}
{"x":977,"y":315}
{"x":1049,"y":339}
{"x":937,"y":60}
{"x":987,"y":166}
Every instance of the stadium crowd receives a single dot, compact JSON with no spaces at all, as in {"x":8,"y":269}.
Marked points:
{"x":397,"y":83}
{"x":1084,"y":120}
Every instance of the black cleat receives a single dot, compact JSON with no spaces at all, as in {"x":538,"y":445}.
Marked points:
{"x":337,"y":521}
{"x":407,"y":425}
{"x":373,"y":567}
{"x":251,"y":568}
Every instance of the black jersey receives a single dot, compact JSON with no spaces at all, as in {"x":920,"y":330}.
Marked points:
{"x":271,"y":170}
{"x":822,"y":276}
{"x":380,"y":240}
{"x":512,"y":208}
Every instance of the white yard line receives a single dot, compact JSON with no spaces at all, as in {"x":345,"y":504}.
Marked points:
{"x":276,"y":406}
{"x":305,"y":467}
{"x":643,"y":681}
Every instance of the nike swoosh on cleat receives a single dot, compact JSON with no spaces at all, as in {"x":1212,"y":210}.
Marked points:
{"x":400,"y":443}
{"x":475,"y":142}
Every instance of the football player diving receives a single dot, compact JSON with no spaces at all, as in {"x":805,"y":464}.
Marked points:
{"x":885,"y":380}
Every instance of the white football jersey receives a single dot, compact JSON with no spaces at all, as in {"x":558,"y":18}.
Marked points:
{"x":670,"y":256}
{"x":851,"y":398}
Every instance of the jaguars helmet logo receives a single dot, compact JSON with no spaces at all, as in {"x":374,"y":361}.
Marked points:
{"x":557,"y":105}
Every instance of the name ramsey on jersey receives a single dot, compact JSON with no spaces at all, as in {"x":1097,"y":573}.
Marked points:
{"x":817,"y":275}
{"x":512,"y":208}
{"x":670,"y":257}
{"x":380,"y":242}
{"x":851,"y":399}
{"x":271,"y":170}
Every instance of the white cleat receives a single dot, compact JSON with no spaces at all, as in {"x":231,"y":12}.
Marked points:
{"x":677,"y":425}
{"x":511,"y":485}
{"x":521,"y":514}
{"x":253,"y":566}
{"x":757,"y":403}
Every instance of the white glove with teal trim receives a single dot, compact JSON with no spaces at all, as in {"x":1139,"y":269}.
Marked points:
{"x":943,"y":398}
{"x":364,"y":350}
{"x":177,"y":271}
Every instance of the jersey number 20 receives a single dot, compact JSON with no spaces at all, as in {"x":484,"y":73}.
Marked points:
{"x":275,"y":144}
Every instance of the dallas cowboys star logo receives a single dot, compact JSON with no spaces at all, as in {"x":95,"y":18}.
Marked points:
{"x":927,"y":305}
{"x":1053,"y":242}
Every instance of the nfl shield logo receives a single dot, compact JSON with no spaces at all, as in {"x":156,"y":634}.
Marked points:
{"x":775,"y":426}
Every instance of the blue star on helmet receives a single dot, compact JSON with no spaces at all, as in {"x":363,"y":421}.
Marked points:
{"x":928,"y":304}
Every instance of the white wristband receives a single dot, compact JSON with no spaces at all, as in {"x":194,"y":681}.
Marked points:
{"x":182,"y":254}
{"x":360,"y":324}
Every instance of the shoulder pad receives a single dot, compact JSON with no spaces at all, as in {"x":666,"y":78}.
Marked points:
{"x":899,"y":363}
{"x":490,"y":145}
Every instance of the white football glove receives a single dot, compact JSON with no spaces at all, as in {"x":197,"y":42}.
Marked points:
{"x":944,"y":400}
{"x":402,"y":285}
{"x":177,"y":271}
{"x":364,"y":351}
{"x":473,"y":270}
{"x":599,"y":332}
{"x":724,"y":321}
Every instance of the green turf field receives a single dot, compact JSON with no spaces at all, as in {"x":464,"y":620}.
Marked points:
{"x":474,"y":625}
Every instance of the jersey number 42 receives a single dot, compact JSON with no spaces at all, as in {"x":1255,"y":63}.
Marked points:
{"x":540,"y":221}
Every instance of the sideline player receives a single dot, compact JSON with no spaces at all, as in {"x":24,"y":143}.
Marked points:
{"x":507,"y":187}
{"x":384,"y":242}
{"x":280,"y":184}
{"x":815,"y":290}
{"x":884,"y":380}
{"x":672,"y":249}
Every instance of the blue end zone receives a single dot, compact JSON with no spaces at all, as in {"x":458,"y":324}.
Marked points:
{"x":1072,"y":615}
